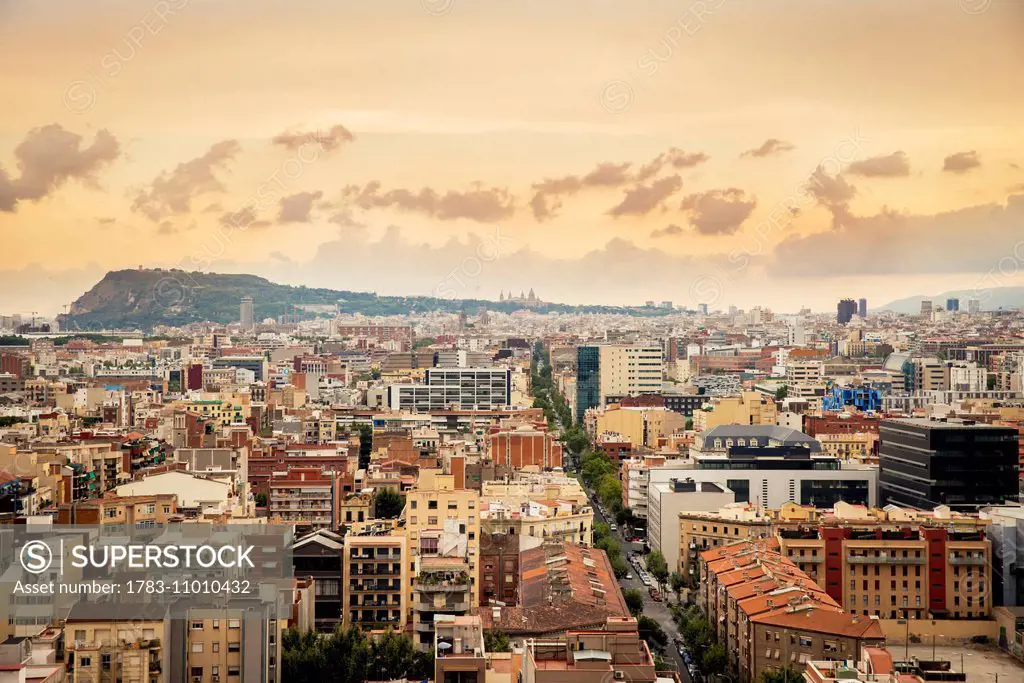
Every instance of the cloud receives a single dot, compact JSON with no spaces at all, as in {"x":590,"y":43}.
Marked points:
{"x":344,"y":219}
{"x":481,"y":204}
{"x":895,"y":165}
{"x":166,"y":228}
{"x":243,"y":219}
{"x":278,"y":256}
{"x":914,"y":244}
{"x":832,"y":192}
{"x":770,"y":147}
{"x":329,"y":140}
{"x":296,"y":208}
{"x":50,"y":156}
{"x":172,"y":192}
{"x":548,"y":193}
{"x":718,"y":212}
{"x":643,"y":199}
{"x":672,"y":230}
{"x":105,"y":221}
{"x":961,"y":162}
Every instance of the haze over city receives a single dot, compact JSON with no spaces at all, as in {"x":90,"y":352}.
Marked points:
{"x":782,"y":153}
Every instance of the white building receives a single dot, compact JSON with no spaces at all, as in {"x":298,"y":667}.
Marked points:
{"x":665,"y":500}
{"x":464,"y":388}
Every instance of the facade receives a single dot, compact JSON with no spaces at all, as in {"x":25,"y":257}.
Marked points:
{"x":525,"y":446}
{"x":375,"y":579}
{"x":749,"y":408}
{"x":320,"y":556}
{"x":245,"y":315}
{"x":845,"y":310}
{"x":606,"y":373}
{"x":925,"y":463}
{"x":640,"y":426}
{"x":896,"y":563}
{"x":99,"y":649}
{"x":463,"y":388}
{"x":305,"y":496}
{"x":614,"y":653}
{"x":665,"y":503}
{"x":700,"y":531}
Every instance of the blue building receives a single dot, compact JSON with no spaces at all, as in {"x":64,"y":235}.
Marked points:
{"x":862,"y":398}
{"x":588,"y":379}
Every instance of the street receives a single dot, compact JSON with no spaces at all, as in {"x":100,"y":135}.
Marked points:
{"x":658,"y":611}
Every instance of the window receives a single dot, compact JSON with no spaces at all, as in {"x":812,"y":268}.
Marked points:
{"x":197,"y":626}
{"x":105,"y":662}
{"x":85,"y":661}
{"x":216,"y":623}
{"x":431,"y":504}
{"x":216,"y":646}
{"x":197,"y":647}
{"x":234,"y":647}
{"x":234,"y":623}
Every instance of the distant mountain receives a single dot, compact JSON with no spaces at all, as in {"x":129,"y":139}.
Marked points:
{"x":990,"y":299}
{"x":146,"y":298}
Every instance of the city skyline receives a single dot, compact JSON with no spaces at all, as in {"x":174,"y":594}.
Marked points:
{"x":668,"y":152}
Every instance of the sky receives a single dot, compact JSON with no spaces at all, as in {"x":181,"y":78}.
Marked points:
{"x":780,"y":153}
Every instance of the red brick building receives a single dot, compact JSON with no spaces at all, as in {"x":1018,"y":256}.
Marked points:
{"x":525,"y":445}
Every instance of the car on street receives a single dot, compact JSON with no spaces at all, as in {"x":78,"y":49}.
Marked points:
{"x":645,"y":580}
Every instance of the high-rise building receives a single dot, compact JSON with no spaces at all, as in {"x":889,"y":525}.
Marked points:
{"x":953,"y":305}
{"x":973,"y":306}
{"x":924,"y":463}
{"x":926,"y":308}
{"x":845,"y":311}
{"x":465,"y":388}
{"x":862,"y":308}
{"x":608,"y":372}
{"x":702,"y":308}
{"x":245,"y":313}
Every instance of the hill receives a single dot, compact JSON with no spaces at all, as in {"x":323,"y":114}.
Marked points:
{"x":990,"y":299}
{"x":146,"y":298}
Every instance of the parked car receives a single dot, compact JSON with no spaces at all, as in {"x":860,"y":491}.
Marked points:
{"x":629,"y":577}
{"x":645,"y":580}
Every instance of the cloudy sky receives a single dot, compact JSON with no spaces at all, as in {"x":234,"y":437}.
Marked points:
{"x":774,"y":152}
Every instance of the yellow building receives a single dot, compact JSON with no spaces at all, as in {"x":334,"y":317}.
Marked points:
{"x":642,"y":426}
{"x":442,"y":523}
{"x":107,"y":650}
{"x":857,"y":446}
{"x":375,"y":576}
{"x":749,"y":408}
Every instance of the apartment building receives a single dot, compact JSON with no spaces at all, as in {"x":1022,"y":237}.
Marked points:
{"x":320,"y":556}
{"x":698,"y":531}
{"x":460,"y":655}
{"x":444,"y":589}
{"x":227,"y":645}
{"x":749,"y":408}
{"x":641,"y":426}
{"x":768,"y":614}
{"x":306,"y":496}
{"x":616,"y":652}
{"x":375,"y":576}
{"x":897,"y":563}
{"x":441,"y":523}
{"x":132,"y":511}
{"x":102,"y":650}
{"x":547,"y":519}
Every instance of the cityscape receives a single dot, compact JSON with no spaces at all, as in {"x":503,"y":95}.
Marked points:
{"x":524,"y":342}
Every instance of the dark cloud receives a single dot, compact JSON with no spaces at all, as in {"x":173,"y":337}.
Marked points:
{"x":243,"y":219}
{"x":770,"y":147}
{"x":672,"y":230}
{"x":481,"y":204}
{"x":832,"y":192}
{"x":296,"y":208}
{"x":718,"y":212}
{"x":328,"y":140}
{"x":50,"y":156}
{"x":172,"y":192}
{"x":643,"y":199}
{"x":961,"y":162}
{"x":166,"y":228}
{"x":914,"y":244}
{"x":548,"y":193}
{"x":895,"y":165}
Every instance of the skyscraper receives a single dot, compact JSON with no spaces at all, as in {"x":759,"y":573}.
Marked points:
{"x":245,"y":313}
{"x":862,"y":308}
{"x":846,"y":310}
{"x":953,"y":305}
{"x":973,"y":306}
{"x":926,"y":308}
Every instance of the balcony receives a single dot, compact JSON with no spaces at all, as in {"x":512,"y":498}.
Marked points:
{"x":972,"y":561}
{"x":884,"y":559}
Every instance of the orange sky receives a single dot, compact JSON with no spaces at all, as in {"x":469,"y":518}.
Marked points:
{"x":622,"y":152}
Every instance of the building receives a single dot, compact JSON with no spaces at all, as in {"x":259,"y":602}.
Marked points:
{"x":546,"y":519}
{"x":320,"y":556}
{"x":374,"y":585}
{"x":306,"y":496}
{"x":925,"y":463}
{"x":973,"y":306}
{"x":845,"y":311}
{"x":523,"y":446}
{"x":460,"y":655}
{"x":665,"y":503}
{"x":896,"y":563}
{"x":461,"y":388}
{"x":640,"y":426}
{"x":133,"y":511}
{"x":862,"y":308}
{"x":605,"y":373}
{"x":749,"y":408}
{"x":1006,"y":533}
{"x":226,"y":645}
{"x":133,"y":649}
{"x":245,"y":315}
{"x":953,"y":305}
{"x":926,"y":309}
{"x":700,"y":530}
{"x":925,"y":374}
{"x":615,"y":652}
